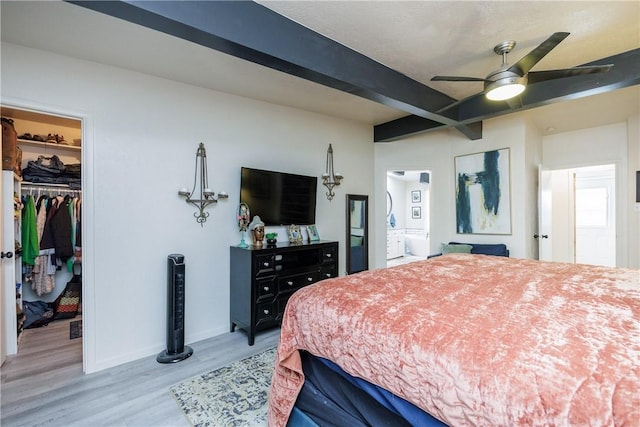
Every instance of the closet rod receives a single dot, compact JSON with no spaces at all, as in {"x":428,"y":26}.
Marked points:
{"x":31,"y":188}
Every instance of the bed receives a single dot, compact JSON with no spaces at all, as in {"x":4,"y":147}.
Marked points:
{"x":474,"y":340}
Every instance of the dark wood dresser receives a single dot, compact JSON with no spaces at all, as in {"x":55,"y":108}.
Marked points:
{"x":263,"y":279}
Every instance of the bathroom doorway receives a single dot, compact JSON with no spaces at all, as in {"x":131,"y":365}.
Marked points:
{"x":408,"y":213}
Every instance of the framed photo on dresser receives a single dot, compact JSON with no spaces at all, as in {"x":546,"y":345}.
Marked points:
{"x":312,"y":231}
{"x":295,"y":235}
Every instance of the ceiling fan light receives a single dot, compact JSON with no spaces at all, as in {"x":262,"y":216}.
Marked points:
{"x":503,"y":89}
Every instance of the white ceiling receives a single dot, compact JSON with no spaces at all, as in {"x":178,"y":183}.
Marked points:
{"x":418,"y":38}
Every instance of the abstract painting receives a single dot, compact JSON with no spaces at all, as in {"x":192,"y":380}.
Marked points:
{"x":483,"y":203}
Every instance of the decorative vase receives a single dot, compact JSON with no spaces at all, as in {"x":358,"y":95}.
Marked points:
{"x":243,"y":217}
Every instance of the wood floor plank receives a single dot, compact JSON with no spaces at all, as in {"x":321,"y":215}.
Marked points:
{"x":37,"y":390}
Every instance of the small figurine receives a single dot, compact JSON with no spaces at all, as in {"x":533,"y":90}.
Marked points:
{"x":257,"y":230}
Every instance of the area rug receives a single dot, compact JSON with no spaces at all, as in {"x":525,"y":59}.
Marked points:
{"x":235,"y":395}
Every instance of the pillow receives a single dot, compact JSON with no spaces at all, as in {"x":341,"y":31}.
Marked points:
{"x":497,"y":249}
{"x":456,"y":249}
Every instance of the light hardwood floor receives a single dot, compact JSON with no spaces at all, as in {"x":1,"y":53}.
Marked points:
{"x":43,"y":385}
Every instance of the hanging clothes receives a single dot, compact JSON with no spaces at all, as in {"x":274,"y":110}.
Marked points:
{"x":43,"y":273}
{"x":74,"y":210}
{"x":57,"y":229}
{"x":30,"y":238}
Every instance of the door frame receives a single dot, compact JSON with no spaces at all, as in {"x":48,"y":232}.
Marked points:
{"x":425,"y":203}
{"x":620,"y":206}
{"x":87,"y":223}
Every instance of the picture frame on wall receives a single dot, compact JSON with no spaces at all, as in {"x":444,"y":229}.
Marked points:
{"x":483,"y":199}
{"x":416,"y":196}
{"x":295,"y":235}
{"x":416,"y":212}
{"x":312,"y":231}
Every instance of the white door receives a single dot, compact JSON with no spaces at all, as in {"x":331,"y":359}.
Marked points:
{"x":595,"y":216}
{"x":3,"y":350}
{"x":545,"y":214}
{"x":9,"y":321}
{"x":557,"y":223}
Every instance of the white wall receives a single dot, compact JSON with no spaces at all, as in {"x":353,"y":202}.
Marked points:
{"x":397,"y":190}
{"x":140,"y":138}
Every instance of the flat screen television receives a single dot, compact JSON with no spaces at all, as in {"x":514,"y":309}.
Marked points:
{"x":279,"y":198}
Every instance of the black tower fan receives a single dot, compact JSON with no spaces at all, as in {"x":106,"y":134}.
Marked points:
{"x":176,"y":350}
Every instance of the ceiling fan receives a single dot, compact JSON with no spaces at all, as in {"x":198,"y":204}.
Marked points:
{"x":509,"y":81}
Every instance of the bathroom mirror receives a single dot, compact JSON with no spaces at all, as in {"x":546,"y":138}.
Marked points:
{"x":389,"y":203}
{"x":357,"y":233}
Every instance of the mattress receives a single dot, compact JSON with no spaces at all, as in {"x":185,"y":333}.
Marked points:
{"x":331,"y":397}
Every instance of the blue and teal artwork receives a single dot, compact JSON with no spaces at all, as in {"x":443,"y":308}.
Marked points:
{"x":482,"y":193}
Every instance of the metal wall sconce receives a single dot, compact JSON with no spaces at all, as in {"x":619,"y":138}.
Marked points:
{"x":204,"y":195}
{"x":330,"y":179}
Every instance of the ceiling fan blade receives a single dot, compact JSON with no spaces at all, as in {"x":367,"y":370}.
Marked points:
{"x":456,"y":79}
{"x":527,"y":62}
{"x":540,"y":76}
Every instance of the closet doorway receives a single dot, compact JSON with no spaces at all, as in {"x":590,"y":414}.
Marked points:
{"x":42,"y":220}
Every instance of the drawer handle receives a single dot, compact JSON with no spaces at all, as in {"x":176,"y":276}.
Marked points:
{"x":266,"y":289}
{"x":266,"y":264}
{"x":309,"y":279}
{"x":328,"y":274}
{"x":328,"y":255}
{"x":265,"y":311}
{"x":290,"y":283}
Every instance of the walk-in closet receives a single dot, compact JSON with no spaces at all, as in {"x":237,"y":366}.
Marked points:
{"x":41,"y":294}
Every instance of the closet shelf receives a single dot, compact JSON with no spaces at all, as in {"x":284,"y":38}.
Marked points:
{"x":49,"y":145}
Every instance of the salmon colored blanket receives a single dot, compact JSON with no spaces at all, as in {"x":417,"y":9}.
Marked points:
{"x":476,"y":340}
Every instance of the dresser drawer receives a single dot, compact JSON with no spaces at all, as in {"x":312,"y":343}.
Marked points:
{"x":329,"y":254}
{"x":291,"y":283}
{"x":264,"y":264}
{"x":265,"y":312}
{"x":327,"y":272}
{"x":265,"y":288}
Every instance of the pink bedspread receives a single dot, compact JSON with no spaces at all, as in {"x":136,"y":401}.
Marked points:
{"x":476,"y":340}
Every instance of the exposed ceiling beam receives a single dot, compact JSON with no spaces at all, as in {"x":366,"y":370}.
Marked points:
{"x":253,"y":32}
{"x":414,"y":125}
{"x":626,"y":72}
